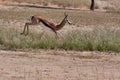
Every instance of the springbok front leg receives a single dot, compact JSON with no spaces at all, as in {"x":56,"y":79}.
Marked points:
{"x":60,"y":35}
{"x":57,"y":37}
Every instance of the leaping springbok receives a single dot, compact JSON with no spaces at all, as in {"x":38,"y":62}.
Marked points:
{"x":35,"y":20}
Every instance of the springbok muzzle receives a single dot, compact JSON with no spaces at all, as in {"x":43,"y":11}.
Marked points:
{"x":69,"y":22}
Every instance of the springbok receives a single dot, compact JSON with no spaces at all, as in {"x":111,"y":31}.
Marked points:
{"x":35,"y":20}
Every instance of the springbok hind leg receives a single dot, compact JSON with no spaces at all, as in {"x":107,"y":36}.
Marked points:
{"x":27,"y":29}
{"x":27,"y":26}
{"x":24,"y":29}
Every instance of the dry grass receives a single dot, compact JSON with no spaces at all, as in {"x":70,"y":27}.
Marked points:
{"x":80,"y":18}
{"x":95,"y":30}
{"x":63,"y":3}
{"x":82,"y":4}
{"x":92,"y":31}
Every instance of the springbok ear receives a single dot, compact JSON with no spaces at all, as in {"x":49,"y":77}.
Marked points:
{"x":65,"y":14}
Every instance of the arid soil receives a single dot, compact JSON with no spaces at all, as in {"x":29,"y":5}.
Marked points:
{"x":59,"y":65}
{"x":56,"y":64}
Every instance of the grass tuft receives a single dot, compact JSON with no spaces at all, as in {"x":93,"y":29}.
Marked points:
{"x":97,"y":39}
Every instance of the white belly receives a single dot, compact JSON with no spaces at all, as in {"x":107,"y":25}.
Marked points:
{"x":44,"y":26}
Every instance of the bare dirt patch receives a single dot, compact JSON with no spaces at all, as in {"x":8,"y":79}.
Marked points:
{"x":59,"y":65}
{"x":56,"y":65}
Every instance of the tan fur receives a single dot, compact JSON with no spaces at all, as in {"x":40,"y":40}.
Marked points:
{"x":35,"y":20}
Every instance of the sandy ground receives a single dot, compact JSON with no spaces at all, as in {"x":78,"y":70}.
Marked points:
{"x":59,"y":65}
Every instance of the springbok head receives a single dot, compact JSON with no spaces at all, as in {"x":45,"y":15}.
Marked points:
{"x":66,"y":18}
